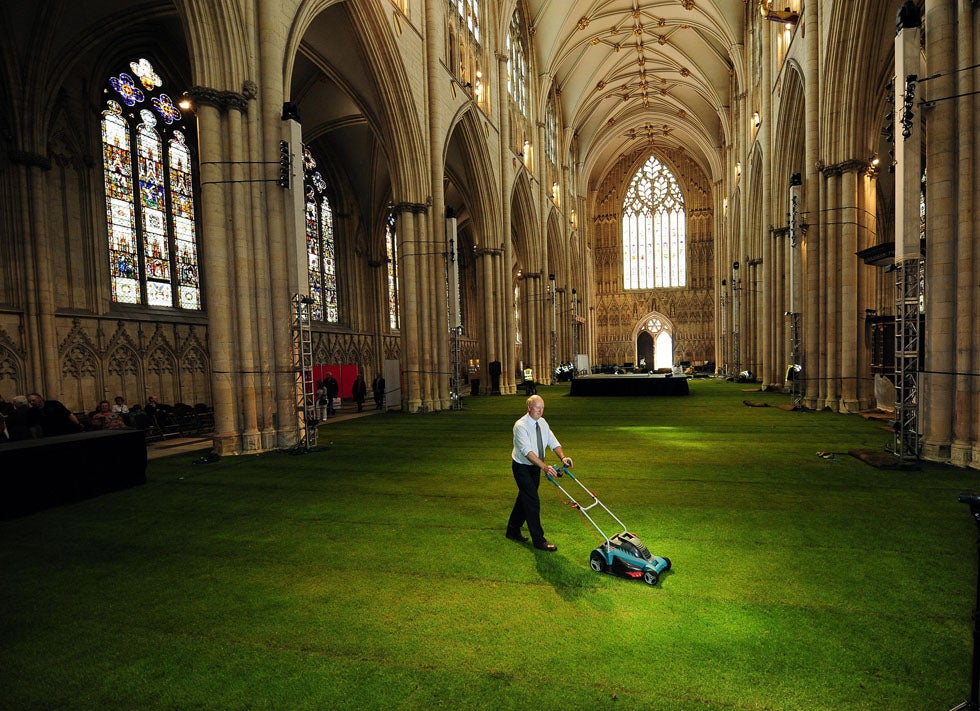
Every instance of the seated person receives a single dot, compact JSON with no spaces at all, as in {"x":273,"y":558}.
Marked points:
{"x":120,"y":407}
{"x":105,"y":419}
{"x":54,"y":418}
{"x":158,"y":413}
{"x":20,"y":422}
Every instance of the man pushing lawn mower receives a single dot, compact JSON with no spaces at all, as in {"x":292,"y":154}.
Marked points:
{"x":531,"y":436}
{"x":622,"y":554}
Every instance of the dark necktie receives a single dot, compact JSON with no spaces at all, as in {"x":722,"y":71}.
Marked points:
{"x":537,"y":427}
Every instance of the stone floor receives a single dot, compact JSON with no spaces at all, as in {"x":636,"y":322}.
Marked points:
{"x":179,"y":445}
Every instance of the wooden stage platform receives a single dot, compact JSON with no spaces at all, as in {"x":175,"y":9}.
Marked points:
{"x":630,"y":384}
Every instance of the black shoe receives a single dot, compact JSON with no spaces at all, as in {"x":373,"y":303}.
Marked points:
{"x":517,"y":537}
{"x":545,"y":546}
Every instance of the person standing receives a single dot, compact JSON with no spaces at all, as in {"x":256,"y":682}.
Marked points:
{"x":358,"y":391}
{"x":378,"y":386}
{"x":532,"y":435}
{"x":333,"y":389}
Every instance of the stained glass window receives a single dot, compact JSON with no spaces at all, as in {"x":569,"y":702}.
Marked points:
{"x":391,"y":252}
{"x":320,"y":248}
{"x":654,"y":230}
{"x":149,"y":191}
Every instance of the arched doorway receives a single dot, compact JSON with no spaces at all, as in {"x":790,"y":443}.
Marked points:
{"x":653,"y":337}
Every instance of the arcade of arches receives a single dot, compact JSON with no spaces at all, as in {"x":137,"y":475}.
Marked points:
{"x":612,"y":179}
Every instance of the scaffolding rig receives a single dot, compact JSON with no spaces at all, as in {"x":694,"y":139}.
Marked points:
{"x":909,"y":290}
{"x":303,"y":362}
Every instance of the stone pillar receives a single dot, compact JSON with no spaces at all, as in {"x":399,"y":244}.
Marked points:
{"x":811,"y":247}
{"x":44,"y":373}
{"x":217,"y":284}
{"x":244,"y":271}
{"x":936,"y":386}
{"x":260,"y":259}
{"x":830,"y":297}
{"x":965,"y":449}
{"x":850,"y":336}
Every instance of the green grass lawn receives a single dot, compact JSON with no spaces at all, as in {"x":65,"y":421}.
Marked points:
{"x":374,"y":574}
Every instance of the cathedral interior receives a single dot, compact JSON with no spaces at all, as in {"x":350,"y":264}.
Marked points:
{"x":454,"y":191}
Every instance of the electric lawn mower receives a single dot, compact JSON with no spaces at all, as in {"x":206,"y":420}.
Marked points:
{"x":622,"y":554}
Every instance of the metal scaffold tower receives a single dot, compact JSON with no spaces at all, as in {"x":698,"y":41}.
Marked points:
{"x":303,"y":361}
{"x":909,"y":284}
{"x":736,"y":345}
{"x":795,"y":369}
{"x":909,"y":265}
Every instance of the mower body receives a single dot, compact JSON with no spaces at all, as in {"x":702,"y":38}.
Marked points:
{"x":625,"y":555}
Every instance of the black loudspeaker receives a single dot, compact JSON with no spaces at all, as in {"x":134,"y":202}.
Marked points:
{"x":495,"y":377}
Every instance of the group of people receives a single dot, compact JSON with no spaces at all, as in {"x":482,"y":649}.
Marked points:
{"x":32,"y":417}
{"x":328,"y":391}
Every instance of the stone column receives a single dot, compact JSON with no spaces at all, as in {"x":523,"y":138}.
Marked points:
{"x":44,"y":373}
{"x":850,"y":336}
{"x":243,"y":273}
{"x":833,"y":333}
{"x":260,"y":259}
{"x":409,"y":308}
{"x":214,"y":260}
{"x":813,"y":185}
{"x":936,"y":386}
{"x":965,"y":449}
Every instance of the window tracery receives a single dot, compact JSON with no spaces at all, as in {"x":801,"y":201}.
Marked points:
{"x":654,"y":230}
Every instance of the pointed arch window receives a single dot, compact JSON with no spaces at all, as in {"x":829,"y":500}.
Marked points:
{"x":654,"y":230}
{"x":149,"y":188}
{"x":517,"y":61}
{"x":320,"y":247}
{"x":465,"y":49}
{"x":551,"y":130}
{"x":391,"y":254}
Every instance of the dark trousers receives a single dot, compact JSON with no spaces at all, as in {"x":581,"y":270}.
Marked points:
{"x":527,"y":507}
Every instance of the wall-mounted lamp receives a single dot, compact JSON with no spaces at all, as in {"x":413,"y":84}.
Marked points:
{"x":186,"y":103}
{"x":738,"y":171}
{"x":875,"y":161}
{"x":756,"y":119}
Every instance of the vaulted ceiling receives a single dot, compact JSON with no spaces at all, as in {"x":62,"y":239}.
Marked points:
{"x":634,"y":73}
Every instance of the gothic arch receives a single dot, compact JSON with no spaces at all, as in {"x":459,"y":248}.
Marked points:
{"x":474,"y":171}
{"x":382,"y":91}
{"x":858,"y":48}
{"x":654,"y":324}
{"x":523,"y":220}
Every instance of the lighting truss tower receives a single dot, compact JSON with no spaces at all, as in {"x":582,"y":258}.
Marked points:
{"x":723,"y":304}
{"x":909,"y":271}
{"x":303,"y":362}
{"x":454,"y":311}
{"x":554,"y":329}
{"x":908,"y":292}
{"x":736,"y":346}
{"x":795,"y":336}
